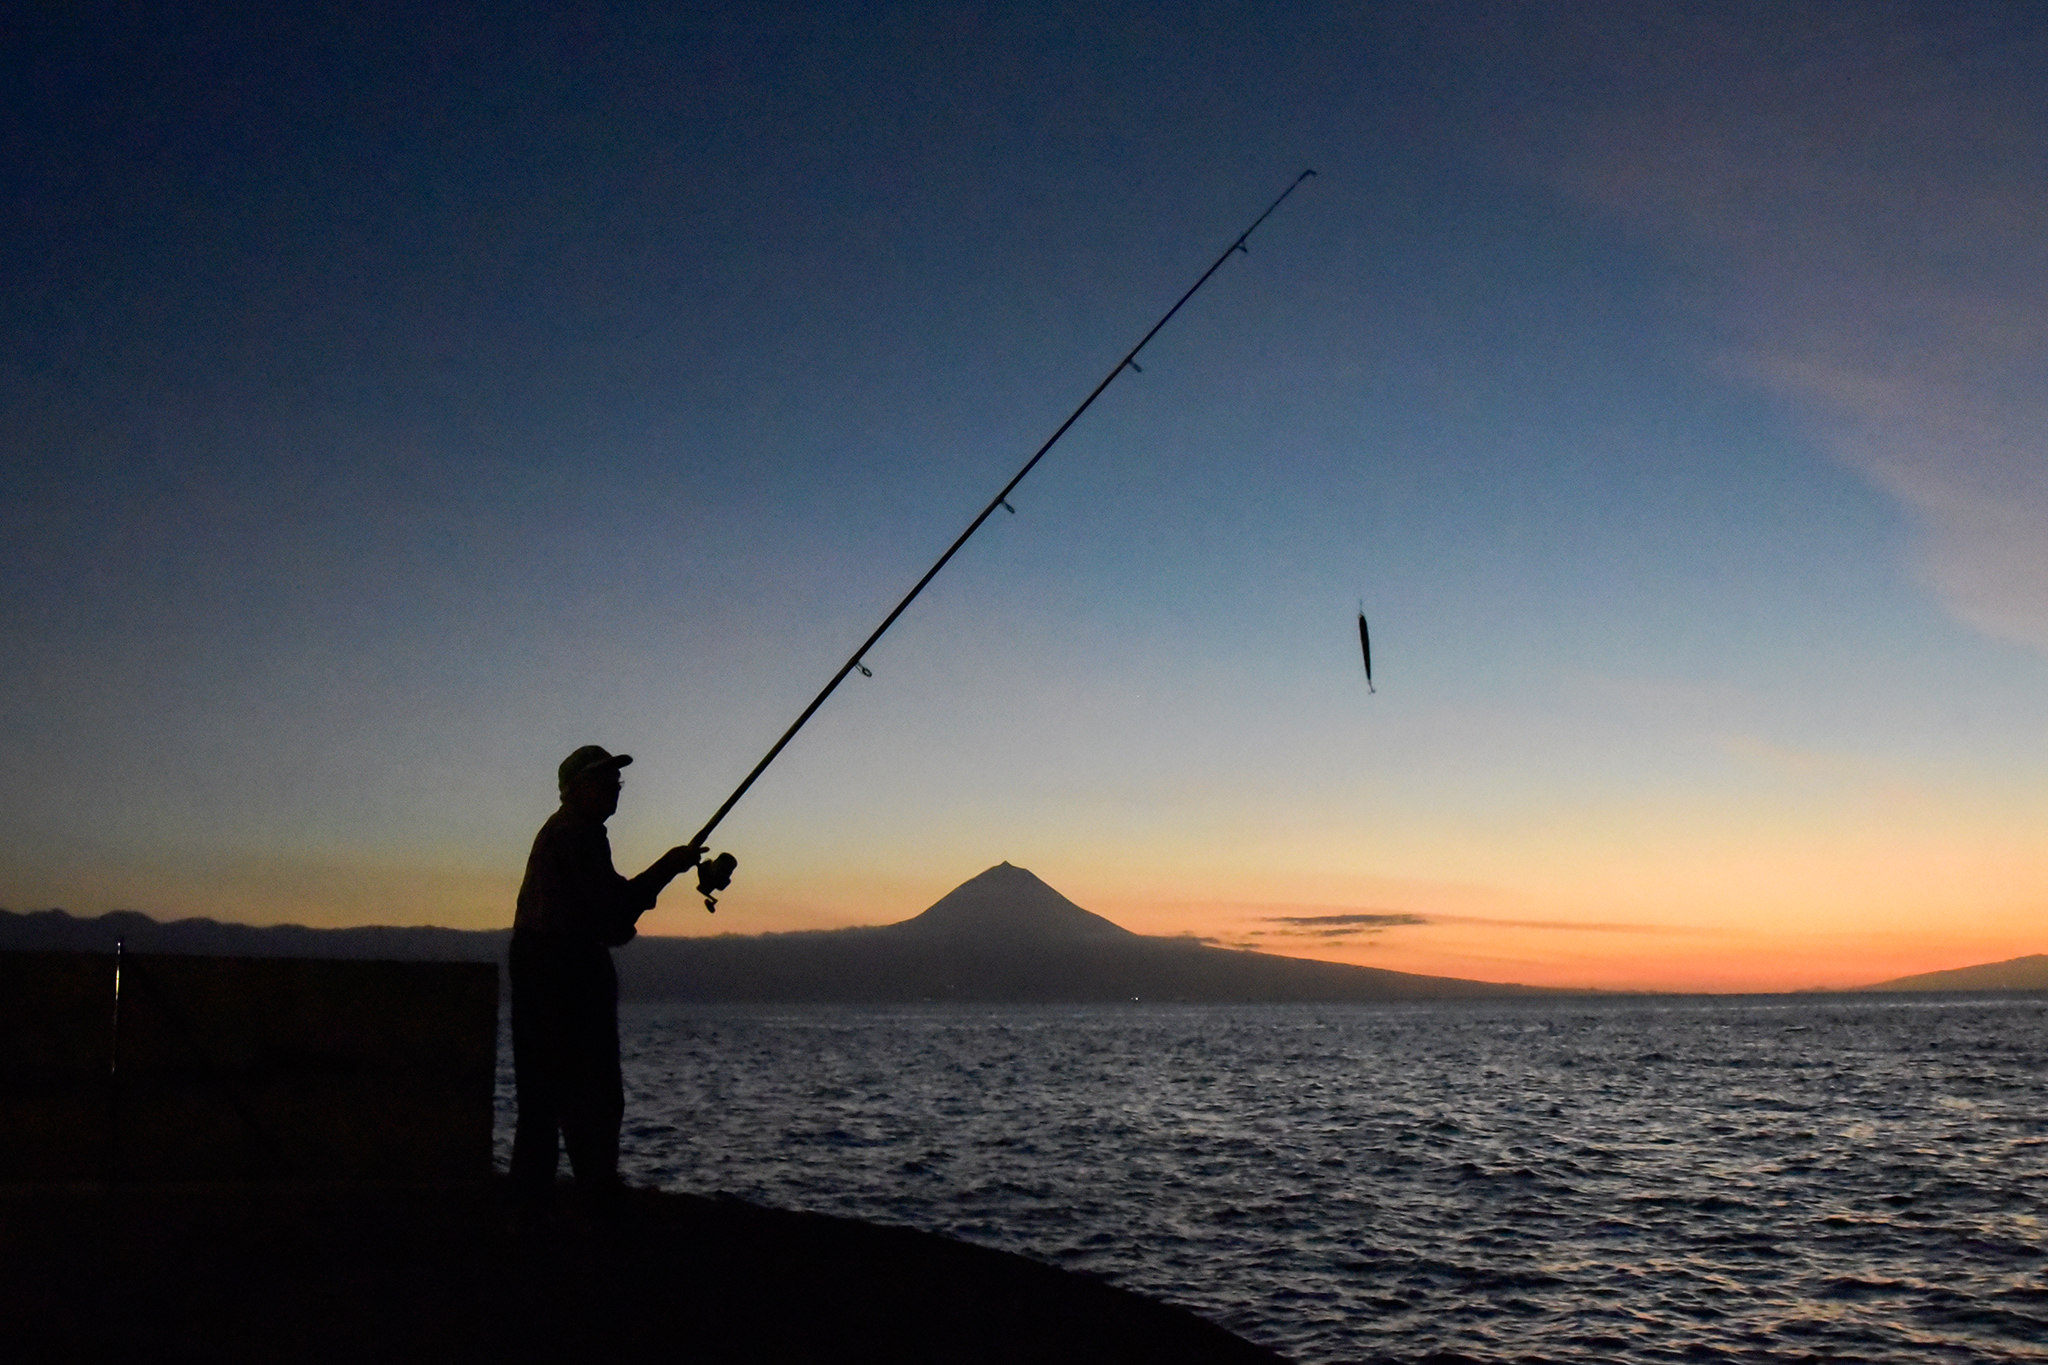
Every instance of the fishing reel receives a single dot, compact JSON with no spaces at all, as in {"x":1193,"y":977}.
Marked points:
{"x":713,"y":877}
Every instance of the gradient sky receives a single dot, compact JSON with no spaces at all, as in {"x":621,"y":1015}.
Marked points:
{"x":392,"y":402}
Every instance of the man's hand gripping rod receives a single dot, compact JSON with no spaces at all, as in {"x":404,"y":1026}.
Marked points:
{"x":716,"y":875}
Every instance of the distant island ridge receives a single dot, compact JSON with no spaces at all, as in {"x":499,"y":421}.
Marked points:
{"x":2028,"y":973}
{"x":1003,"y":936}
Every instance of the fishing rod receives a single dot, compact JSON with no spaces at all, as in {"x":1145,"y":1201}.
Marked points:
{"x":715,"y":876}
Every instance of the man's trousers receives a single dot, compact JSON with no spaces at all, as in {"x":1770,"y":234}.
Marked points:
{"x":565,"y":1062}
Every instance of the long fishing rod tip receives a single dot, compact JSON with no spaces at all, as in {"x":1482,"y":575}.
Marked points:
{"x":857,"y":662}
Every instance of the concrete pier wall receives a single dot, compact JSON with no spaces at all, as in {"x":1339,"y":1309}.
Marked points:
{"x":220,"y":1068}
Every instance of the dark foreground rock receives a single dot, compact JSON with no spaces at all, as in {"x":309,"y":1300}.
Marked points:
{"x":339,"y":1273}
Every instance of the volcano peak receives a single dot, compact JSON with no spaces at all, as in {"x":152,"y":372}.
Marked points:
{"x":1008,"y":905}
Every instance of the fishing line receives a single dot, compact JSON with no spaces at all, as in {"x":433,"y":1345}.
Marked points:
{"x":717,"y":875}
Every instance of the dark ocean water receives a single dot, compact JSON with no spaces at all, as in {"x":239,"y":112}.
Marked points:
{"x":1757,"y":1179}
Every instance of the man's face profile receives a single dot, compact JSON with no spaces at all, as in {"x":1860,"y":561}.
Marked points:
{"x":595,"y":794}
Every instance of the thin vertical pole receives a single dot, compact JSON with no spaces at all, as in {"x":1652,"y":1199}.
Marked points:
{"x":114,"y":1071}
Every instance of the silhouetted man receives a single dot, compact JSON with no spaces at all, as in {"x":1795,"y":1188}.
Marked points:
{"x":574,"y":908}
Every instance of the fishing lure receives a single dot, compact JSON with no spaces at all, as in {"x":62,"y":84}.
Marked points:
{"x":1365,"y":648}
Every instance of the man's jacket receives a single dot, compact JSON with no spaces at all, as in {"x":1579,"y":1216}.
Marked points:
{"x":572,"y":895}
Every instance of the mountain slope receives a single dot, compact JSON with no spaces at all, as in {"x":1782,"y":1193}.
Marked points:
{"x":2014,"y":974}
{"x":1008,"y":905}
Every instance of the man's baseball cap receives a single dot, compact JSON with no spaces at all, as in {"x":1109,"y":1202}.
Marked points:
{"x":589,"y":759}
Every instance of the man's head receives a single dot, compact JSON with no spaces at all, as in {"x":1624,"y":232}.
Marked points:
{"x":589,"y":780}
